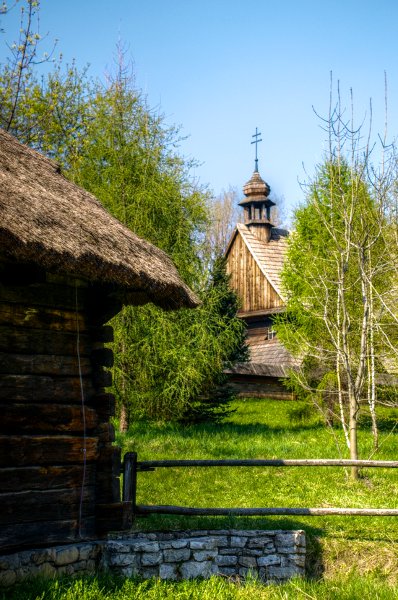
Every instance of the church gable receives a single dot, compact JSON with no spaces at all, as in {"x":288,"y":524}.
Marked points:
{"x":248,"y":275}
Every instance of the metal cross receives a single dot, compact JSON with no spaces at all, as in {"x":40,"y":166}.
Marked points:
{"x":256,"y":141}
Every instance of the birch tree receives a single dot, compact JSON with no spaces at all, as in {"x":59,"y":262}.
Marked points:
{"x":338,"y":279}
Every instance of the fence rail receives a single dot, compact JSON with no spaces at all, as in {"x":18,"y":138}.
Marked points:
{"x":131,"y":466}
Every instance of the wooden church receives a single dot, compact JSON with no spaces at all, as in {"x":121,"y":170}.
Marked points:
{"x":255,"y":256}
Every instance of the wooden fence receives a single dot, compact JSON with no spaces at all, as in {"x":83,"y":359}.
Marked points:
{"x":131,"y":467}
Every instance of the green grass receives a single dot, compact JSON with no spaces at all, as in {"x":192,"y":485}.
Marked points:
{"x":263,"y":429}
{"x":343,"y":588}
{"x":348,"y":557}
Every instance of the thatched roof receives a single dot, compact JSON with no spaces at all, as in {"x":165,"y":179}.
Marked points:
{"x":49,"y":221}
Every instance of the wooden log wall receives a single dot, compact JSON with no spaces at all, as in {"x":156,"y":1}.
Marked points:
{"x":252,"y":287}
{"x":47,"y":494}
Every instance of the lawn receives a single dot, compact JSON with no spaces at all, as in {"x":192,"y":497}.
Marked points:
{"x":348,"y":557}
{"x":274,"y":429}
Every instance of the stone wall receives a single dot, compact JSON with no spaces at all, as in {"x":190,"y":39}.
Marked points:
{"x":271,"y":555}
{"x":50,"y":562}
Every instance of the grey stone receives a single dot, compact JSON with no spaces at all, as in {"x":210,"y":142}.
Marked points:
{"x":206,"y":543}
{"x":221,"y":541}
{"x":65,"y":570}
{"x":271,"y":559}
{"x":168,"y":571}
{"x":234,"y":551}
{"x":122,"y":560}
{"x":47,"y":570}
{"x":144,"y":546}
{"x":282,"y":573}
{"x":66,"y":556}
{"x":151,"y":558}
{"x":253,"y":552}
{"x":118,"y":547}
{"x":219,"y":532}
{"x":226,"y":561}
{"x":165,"y":545}
{"x":247,"y":561}
{"x":182,"y":543}
{"x":42,"y":556}
{"x":227,"y":571}
{"x":192,"y":569}
{"x":7,"y":578}
{"x":238,"y":541}
{"x":88,"y":551}
{"x":149,"y":573}
{"x":176,"y":555}
{"x":205,"y":555}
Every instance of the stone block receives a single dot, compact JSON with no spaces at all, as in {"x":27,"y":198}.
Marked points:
{"x":205,"y":555}
{"x":176,"y":555}
{"x":226,"y":561}
{"x":205,"y":543}
{"x":144,"y":546}
{"x":271,"y":559}
{"x":192,"y":569}
{"x":182,"y":543}
{"x":41,"y":556}
{"x":253,"y":552}
{"x":66,"y":556}
{"x":282,"y":573}
{"x":88,"y":551}
{"x":165,"y":545}
{"x":150,"y":572}
{"x":7,"y":578}
{"x":48,"y":570}
{"x":238,"y":541}
{"x":117,"y":547}
{"x":151,"y":558}
{"x":227,"y":571}
{"x":168,"y":571}
{"x":122,"y":560}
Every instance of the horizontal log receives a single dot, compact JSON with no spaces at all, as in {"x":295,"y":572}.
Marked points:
{"x":43,"y":505}
{"x":43,"y":364}
{"x":105,"y":433}
{"x":103,"y":357}
{"x":46,"y":478}
{"x":105,"y":405}
{"x":102,"y":333}
{"x":44,"y":294}
{"x":18,"y":340}
{"x":47,"y":418}
{"x":30,"y":317}
{"x":46,"y":450}
{"x":268,"y":463}
{"x":42,"y":388}
{"x":45,"y":533}
{"x":258,"y":512}
{"x":101,"y":378}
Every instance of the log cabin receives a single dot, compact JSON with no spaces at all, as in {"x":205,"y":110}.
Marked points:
{"x":66,"y":267}
{"x":254,"y":259}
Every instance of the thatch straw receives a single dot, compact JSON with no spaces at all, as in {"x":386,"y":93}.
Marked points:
{"x":49,"y":221}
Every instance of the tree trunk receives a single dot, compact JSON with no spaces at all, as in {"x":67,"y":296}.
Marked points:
{"x":353,"y":434}
{"x":124,"y":419}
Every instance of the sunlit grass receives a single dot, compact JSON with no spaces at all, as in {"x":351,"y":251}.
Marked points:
{"x":263,"y":429}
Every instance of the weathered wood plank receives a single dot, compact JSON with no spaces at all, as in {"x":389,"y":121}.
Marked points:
{"x":44,"y":505}
{"x":113,"y":517}
{"x":47,"y":418}
{"x":41,"y":318}
{"x":102,"y":334}
{"x":44,"y":294}
{"x":102,"y":357}
{"x":41,"y":388}
{"x":105,"y":405}
{"x":45,"y":450}
{"x":43,"y":364}
{"x":45,"y":478}
{"x":37,"y":341}
{"x":18,"y":536}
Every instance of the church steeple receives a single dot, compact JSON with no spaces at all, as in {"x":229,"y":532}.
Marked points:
{"x":257,"y":205}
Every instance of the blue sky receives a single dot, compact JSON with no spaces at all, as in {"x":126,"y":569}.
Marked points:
{"x":222,"y":68}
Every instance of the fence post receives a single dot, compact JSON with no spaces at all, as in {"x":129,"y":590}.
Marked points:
{"x":130,"y":480}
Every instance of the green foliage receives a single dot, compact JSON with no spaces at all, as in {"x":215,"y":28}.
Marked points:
{"x":109,"y":141}
{"x":174,"y":361}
